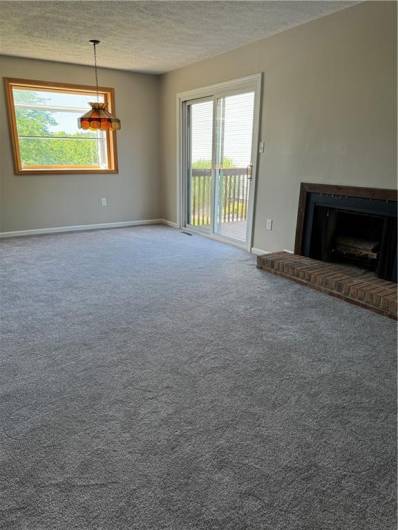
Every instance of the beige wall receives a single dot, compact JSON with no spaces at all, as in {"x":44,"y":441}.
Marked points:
{"x":328,"y":111}
{"x":328,"y":115}
{"x":42,"y":201}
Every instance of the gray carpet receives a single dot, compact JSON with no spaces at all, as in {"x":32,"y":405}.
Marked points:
{"x":151,"y":380}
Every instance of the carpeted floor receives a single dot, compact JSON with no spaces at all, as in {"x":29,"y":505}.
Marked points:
{"x":152,"y":380}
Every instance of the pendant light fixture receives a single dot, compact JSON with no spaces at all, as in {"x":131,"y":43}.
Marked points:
{"x":98,"y":118}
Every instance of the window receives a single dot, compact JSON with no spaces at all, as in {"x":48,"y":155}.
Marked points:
{"x":44,"y":133}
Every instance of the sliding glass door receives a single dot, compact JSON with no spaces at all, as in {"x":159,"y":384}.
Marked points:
{"x":219,"y":139}
{"x":234,"y":136}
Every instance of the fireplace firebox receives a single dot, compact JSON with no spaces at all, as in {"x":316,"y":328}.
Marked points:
{"x":352,"y":226}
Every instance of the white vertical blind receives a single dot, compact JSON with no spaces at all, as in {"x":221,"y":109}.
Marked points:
{"x":202,"y":133}
{"x":238,"y":128}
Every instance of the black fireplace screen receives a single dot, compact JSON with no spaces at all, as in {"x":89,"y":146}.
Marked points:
{"x":355,"y":231}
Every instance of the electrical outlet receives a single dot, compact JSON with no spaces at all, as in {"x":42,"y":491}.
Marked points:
{"x":104,"y":201}
{"x":261,"y":147}
{"x":268,"y":224}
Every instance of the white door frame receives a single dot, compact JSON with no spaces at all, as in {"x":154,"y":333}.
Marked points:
{"x":252,"y":82}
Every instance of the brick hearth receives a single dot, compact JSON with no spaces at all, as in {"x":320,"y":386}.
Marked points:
{"x":350,"y":284}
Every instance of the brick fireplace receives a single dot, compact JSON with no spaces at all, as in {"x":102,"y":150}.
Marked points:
{"x":351,"y":226}
{"x":346,"y":245}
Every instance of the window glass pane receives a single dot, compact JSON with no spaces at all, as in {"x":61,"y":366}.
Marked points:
{"x":237,"y":128}
{"x":201,"y":177}
{"x":54,"y":99}
{"x":48,"y":133}
{"x":201,"y":134}
{"x":83,"y":152}
{"x":38,"y":122}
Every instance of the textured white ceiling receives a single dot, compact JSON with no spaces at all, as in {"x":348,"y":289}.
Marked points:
{"x":146,"y":36}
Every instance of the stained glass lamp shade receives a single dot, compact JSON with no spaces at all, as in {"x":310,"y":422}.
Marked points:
{"x":98,"y":118}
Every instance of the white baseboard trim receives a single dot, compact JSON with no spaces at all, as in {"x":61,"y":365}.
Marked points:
{"x":259,"y":251}
{"x":79,"y":228}
{"x":169,"y":223}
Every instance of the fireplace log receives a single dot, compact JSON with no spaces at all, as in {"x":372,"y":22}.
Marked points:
{"x":358,"y":247}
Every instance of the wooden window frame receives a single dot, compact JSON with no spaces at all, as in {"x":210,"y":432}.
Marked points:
{"x":109,"y":98}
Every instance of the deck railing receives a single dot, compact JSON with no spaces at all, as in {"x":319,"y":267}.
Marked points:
{"x":233,"y":194}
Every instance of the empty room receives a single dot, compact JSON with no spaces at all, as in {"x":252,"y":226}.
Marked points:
{"x":198,"y":265}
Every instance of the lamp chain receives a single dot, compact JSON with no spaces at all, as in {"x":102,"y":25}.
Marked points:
{"x":95,"y":68}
